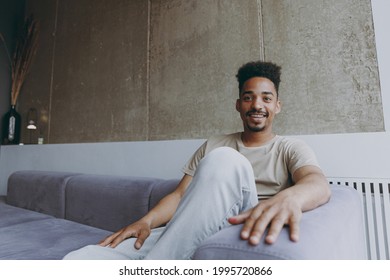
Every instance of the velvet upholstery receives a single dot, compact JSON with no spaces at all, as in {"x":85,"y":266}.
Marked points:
{"x":46,"y":239}
{"x":45,"y":195}
{"x":111,"y":202}
{"x":29,"y":235}
{"x":333,"y":231}
{"x":11,"y":215}
{"x":70,"y":210}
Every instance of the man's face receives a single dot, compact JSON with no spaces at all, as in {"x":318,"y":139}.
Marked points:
{"x":258,"y":104}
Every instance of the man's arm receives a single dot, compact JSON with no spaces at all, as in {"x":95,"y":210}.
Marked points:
{"x":159,"y":215}
{"x":310,"y":190}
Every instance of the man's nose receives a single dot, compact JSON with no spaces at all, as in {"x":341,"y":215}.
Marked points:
{"x":257,"y":104}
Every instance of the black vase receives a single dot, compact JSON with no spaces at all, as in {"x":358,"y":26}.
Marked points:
{"x":11,"y":127}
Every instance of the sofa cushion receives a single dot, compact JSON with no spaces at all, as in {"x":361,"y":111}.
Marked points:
{"x":11,"y":215}
{"x":46,"y":239}
{"x":107,"y":202}
{"x":40,"y":191}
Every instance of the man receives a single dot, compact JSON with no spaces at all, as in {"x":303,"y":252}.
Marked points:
{"x":224,"y":182}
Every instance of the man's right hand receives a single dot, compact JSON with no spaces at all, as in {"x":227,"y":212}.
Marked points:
{"x":140,"y":230}
{"x":159,"y":215}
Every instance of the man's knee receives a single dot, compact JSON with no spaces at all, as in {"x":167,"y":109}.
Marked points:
{"x":223,"y":156}
{"x":224,"y":161}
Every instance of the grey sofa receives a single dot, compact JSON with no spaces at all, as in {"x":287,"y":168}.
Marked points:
{"x":45,"y":215}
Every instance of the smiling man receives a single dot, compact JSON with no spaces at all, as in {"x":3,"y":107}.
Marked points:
{"x":254,"y":178}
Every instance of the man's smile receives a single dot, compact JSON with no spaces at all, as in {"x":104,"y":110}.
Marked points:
{"x":257,"y":114}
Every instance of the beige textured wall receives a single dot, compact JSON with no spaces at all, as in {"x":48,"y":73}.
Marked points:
{"x":196,"y":48}
{"x":330,"y":77}
{"x":164,"y":69}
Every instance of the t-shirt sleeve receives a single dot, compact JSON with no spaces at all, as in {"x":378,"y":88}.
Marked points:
{"x":300,"y":154}
{"x":192,"y":164}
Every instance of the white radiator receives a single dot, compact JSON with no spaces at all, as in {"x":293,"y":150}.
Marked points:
{"x":375,"y":197}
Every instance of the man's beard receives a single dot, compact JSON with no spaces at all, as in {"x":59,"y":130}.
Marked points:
{"x":256,"y":128}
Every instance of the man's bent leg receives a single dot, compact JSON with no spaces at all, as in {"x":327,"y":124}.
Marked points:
{"x":223,"y":186}
{"x":124,"y":251}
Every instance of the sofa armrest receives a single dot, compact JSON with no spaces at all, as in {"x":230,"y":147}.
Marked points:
{"x":332,"y":231}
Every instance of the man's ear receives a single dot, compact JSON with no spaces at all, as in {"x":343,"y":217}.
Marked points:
{"x":278,"y":106}
{"x":238,"y":105}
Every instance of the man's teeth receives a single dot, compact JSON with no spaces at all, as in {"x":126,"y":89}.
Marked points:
{"x":258,"y":115}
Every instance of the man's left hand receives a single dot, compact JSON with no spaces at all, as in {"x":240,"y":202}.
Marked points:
{"x":275,"y":212}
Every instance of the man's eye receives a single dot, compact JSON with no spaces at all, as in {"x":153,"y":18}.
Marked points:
{"x":247,"y":98}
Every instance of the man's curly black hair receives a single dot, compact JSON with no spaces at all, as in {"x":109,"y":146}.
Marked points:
{"x":263,"y":69}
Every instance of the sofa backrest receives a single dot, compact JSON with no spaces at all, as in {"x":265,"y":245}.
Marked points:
{"x":102,"y":201}
{"x":39,"y":191}
{"x":112,"y":202}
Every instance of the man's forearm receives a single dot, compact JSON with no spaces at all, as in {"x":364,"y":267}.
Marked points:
{"x":163,"y":211}
{"x":166,"y":208}
{"x":311,"y":189}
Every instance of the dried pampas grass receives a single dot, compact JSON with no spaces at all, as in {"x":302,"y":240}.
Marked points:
{"x":25,"y":50}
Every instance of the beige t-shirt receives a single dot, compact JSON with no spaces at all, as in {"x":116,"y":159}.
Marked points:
{"x":273,"y":163}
